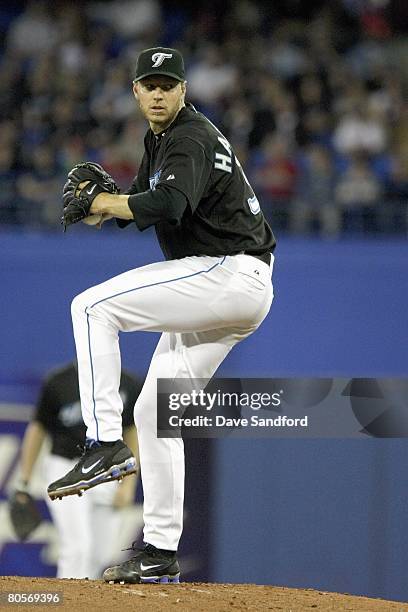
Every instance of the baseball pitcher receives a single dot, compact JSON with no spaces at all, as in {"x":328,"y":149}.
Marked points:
{"x":212,"y":291}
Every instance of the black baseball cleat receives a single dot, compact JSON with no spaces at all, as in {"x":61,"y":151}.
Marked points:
{"x":100,"y":462}
{"x":150,"y":564}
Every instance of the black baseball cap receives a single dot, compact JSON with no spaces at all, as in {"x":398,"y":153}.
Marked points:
{"x":160,"y":60}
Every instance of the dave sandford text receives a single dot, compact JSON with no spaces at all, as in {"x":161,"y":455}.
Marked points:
{"x":219,"y":400}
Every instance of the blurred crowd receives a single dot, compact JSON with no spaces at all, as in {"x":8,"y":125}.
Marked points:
{"x":312,"y":96}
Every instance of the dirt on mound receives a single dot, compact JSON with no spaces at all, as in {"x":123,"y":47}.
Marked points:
{"x":186,"y":597}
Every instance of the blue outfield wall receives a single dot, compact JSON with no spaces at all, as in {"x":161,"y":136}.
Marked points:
{"x":340,"y":308}
{"x":323,"y":514}
{"x":330,"y":514}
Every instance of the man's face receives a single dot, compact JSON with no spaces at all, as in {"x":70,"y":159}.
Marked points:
{"x":160,"y":98}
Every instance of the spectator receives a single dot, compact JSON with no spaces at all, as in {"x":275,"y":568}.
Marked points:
{"x":357,"y":193}
{"x":315,"y":128}
{"x":314,"y":203}
{"x":361,"y":130}
{"x":220,"y":77}
{"x":122,"y":160}
{"x":8,"y":210}
{"x":115,"y":102}
{"x":36,"y":190}
{"x":286,"y":58}
{"x":263,"y":108}
{"x":238,"y":123}
{"x":33,"y":31}
{"x":330,"y":78}
{"x":275,"y":179}
{"x":130,"y":18}
{"x":393,"y":216}
{"x":11,"y":78}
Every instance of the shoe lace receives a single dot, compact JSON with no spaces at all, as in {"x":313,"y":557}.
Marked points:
{"x":134,"y":548}
{"x":134,"y":559}
{"x":147,"y":548}
{"x":88,"y":446}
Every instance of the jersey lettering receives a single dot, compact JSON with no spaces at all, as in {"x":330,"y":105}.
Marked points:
{"x":224,"y":162}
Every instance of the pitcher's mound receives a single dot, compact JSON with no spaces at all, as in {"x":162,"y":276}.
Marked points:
{"x":186,"y":597}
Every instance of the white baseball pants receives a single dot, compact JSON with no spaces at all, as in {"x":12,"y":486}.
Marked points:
{"x":203,"y":306}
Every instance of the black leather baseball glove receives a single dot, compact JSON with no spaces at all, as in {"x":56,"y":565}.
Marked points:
{"x":24,"y":514}
{"x":78,"y":200}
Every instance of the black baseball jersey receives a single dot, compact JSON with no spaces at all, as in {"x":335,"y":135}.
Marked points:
{"x":59,"y":409}
{"x":223,"y":215}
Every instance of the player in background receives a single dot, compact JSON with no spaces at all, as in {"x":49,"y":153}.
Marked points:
{"x":87,"y":529}
{"x":213,"y":291}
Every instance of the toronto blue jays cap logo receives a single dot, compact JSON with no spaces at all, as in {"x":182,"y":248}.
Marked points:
{"x":160,"y":60}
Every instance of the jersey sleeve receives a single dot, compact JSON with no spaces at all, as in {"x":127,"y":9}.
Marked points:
{"x":153,"y":206}
{"x":186,"y":168}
